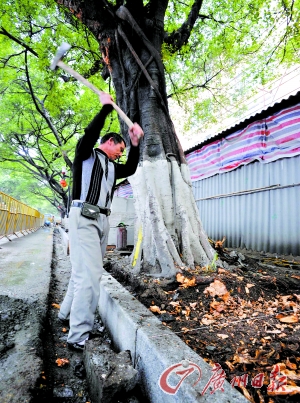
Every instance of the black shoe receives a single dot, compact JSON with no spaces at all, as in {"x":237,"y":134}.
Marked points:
{"x":94,"y":335}
{"x":65,"y":322}
{"x":80,"y":347}
{"x":76,"y":346}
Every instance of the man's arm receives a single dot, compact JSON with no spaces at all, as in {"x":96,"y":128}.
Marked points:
{"x":123,"y":170}
{"x":87,"y":142}
{"x":129,"y":168}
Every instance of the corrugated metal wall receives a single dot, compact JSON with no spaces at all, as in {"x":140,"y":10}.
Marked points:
{"x":265,"y":220}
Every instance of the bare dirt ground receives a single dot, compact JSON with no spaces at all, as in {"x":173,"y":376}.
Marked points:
{"x":245,"y":317}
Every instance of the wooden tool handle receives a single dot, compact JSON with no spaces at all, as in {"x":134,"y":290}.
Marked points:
{"x":80,"y":78}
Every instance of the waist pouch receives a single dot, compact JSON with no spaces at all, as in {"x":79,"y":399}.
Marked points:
{"x":90,"y":211}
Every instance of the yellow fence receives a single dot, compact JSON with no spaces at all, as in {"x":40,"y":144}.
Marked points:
{"x":17,"y":217}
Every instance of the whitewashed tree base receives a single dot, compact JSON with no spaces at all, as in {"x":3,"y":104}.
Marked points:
{"x":167,"y":220}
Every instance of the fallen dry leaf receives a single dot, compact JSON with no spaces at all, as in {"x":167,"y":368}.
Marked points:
{"x":290,"y":364}
{"x":186,"y":311}
{"x":225,"y":297}
{"x":186,"y":282}
{"x":219,"y":307}
{"x":62,"y":361}
{"x":284,"y":390}
{"x":173,"y":303}
{"x":222,"y":336}
{"x":219,"y":244}
{"x":290,"y":374}
{"x":154,"y":309}
{"x":242,"y":359}
{"x":287,"y":319}
{"x":281,"y":335}
{"x":206,"y":321}
{"x":285,"y":298}
{"x":260,"y":396}
{"x":229,"y":365}
{"x":57,"y":306}
{"x":216,"y":288}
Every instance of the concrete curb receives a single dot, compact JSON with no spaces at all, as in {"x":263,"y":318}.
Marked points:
{"x":65,"y":240}
{"x":154,"y":348}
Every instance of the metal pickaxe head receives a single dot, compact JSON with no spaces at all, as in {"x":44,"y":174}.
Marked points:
{"x":61,"y":51}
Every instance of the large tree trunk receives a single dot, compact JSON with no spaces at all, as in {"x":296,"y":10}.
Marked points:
{"x":168,"y":229}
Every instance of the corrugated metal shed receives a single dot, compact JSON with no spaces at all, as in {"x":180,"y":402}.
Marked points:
{"x":264,"y":216}
{"x":256,"y":206}
{"x":278,"y":106}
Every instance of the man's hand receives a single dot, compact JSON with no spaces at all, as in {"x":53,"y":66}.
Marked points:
{"x":135,"y":133}
{"x":105,"y":98}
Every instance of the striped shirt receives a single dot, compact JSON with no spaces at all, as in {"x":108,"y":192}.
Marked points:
{"x":94,"y":174}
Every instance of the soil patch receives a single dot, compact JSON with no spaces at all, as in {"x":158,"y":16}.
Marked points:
{"x":245,"y":317}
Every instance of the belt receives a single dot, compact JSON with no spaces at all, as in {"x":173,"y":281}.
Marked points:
{"x":103,"y":210}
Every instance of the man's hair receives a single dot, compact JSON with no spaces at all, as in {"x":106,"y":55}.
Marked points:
{"x":115,"y":136}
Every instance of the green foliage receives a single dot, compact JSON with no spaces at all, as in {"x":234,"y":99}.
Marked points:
{"x":43,"y":113}
{"x":22,"y":187}
{"x":233,"y":47}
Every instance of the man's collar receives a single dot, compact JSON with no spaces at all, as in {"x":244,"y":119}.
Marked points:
{"x":103,"y":152}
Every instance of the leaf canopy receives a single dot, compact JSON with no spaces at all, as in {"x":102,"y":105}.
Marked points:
{"x":215,"y":54}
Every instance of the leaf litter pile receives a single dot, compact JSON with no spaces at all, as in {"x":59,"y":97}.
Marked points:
{"x":245,"y":317}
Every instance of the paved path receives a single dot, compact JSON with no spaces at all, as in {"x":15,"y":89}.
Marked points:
{"x":25,"y":265}
{"x":25,"y":271}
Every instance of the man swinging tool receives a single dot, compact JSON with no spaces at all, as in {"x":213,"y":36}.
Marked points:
{"x":94,"y":178}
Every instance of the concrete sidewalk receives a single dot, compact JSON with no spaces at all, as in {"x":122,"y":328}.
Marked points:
{"x":25,"y":271}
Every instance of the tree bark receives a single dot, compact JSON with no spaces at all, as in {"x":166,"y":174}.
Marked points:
{"x":169,"y":233}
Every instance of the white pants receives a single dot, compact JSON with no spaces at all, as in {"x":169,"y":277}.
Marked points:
{"x":88,"y":241}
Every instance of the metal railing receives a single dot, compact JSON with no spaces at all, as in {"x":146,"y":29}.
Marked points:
{"x":16,"y":217}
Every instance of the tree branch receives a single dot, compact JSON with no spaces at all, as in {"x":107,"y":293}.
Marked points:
{"x":210,"y":17}
{"x":180,"y":37}
{"x":138,"y":75}
{"x":139,"y":62}
{"x":45,"y":115}
{"x":157,"y":9}
{"x":193,"y":86}
{"x":23,"y":44}
{"x":125,"y":15}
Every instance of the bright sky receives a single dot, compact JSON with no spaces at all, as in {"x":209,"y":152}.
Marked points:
{"x":288,"y":84}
